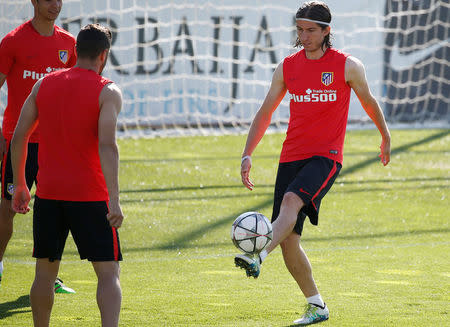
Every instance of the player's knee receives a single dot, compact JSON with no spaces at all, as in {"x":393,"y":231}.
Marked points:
{"x":292,"y":200}
{"x":6,"y":211}
{"x":107,"y":270}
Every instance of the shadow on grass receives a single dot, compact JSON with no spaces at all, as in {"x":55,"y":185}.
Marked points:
{"x":185,"y":245}
{"x":265,"y":194}
{"x":378,"y":235}
{"x":197,"y":198}
{"x":394,"y":151}
{"x":238,"y":158}
{"x":191,"y":188}
{"x":261,"y":186}
{"x":8,"y":309}
{"x":184,"y":240}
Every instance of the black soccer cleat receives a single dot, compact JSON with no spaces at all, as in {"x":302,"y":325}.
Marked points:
{"x":247,"y":262}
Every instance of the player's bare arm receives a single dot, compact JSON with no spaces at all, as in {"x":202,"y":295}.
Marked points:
{"x":2,"y":139}
{"x":356,"y":77}
{"x":262,"y":121}
{"x":110,"y":105}
{"x":28,"y":120}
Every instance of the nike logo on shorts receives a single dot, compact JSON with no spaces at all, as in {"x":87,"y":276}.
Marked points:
{"x":303,"y":191}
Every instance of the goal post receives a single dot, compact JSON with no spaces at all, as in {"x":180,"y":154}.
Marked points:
{"x":204,"y":67}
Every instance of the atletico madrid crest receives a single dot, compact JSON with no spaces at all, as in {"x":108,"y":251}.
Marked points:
{"x":63,"y":56}
{"x":327,"y":78}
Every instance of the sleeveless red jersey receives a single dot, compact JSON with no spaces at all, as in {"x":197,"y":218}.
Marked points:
{"x":319,"y":102}
{"x":26,"y":56}
{"x":68,"y":112}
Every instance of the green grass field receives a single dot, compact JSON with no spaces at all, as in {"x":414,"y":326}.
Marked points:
{"x":380,"y":255}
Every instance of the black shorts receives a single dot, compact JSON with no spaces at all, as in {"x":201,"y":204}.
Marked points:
{"x":95,"y":239}
{"x":310,"y":179}
{"x":31,"y":169}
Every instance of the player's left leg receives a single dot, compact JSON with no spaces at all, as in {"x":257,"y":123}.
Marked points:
{"x":109,"y":292}
{"x":299,"y":266}
{"x":42,"y":293}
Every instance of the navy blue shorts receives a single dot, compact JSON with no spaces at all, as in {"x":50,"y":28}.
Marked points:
{"x":31,"y":169}
{"x":95,"y":239}
{"x":310,"y":179}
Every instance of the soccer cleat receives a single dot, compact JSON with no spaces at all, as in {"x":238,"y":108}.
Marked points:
{"x":248,"y":263}
{"x":61,"y":288}
{"x":313,"y":314}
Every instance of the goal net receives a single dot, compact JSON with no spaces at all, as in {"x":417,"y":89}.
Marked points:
{"x":199,"y":66}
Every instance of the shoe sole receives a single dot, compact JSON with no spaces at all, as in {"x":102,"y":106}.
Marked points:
{"x":241,"y":263}
{"x":58,"y":291}
{"x":311,"y":323}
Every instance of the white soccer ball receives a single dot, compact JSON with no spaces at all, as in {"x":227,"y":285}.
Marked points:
{"x":251,"y":232}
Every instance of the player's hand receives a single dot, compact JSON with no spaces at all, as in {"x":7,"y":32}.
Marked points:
{"x":20,"y":199}
{"x":245,"y":171}
{"x":385,"y":148}
{"x":115,"y":215}
{"x":2,"y":147}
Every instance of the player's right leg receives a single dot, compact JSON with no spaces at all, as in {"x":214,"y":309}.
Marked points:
{"x":281,"y":227}
{"x":249,"y":263}
{"x":6,"y":228}
{"x":98,"y":242}
{"x":6,"y":212}
{"x":109,"y":292}
{"x":298,"y":264}
{"x":284,"y":224}
{"x":284,"y":216}
{"x":6,"y":224}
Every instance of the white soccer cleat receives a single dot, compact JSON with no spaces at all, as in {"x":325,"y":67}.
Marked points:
{"x":61,"y":288}
{"x":313,"y":314}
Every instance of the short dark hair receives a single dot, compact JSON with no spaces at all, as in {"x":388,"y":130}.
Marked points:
{"x":315,"y":10}
{"x":92,"y":40}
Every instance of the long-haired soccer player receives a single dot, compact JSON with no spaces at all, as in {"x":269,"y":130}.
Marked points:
{"x":319,"y":79}
{"x":27,"y":53}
